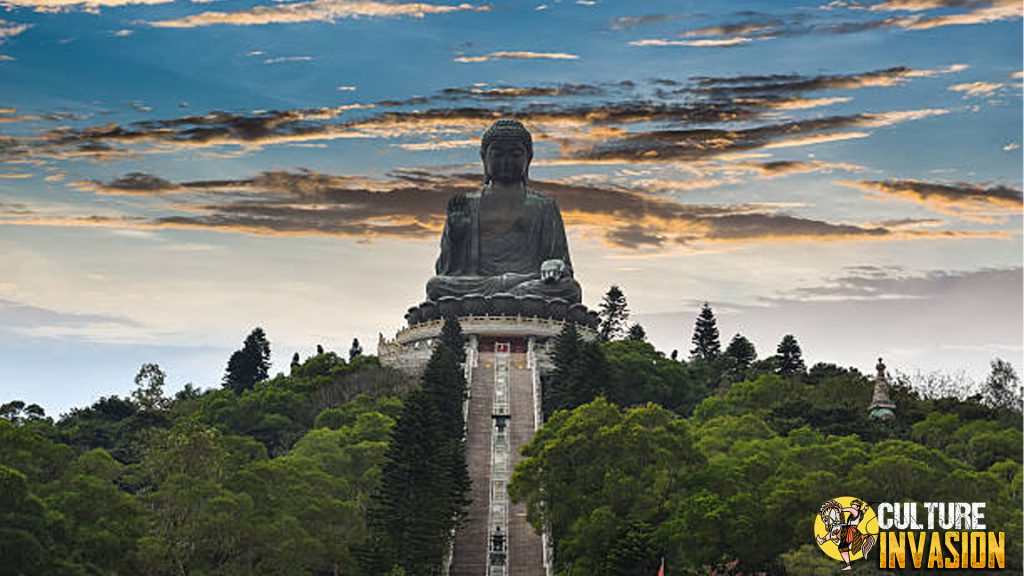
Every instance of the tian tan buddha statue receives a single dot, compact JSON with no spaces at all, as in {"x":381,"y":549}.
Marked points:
{"x":504,"y":238}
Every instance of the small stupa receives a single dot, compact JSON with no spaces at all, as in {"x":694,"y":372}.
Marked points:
{"x":882,"y":407}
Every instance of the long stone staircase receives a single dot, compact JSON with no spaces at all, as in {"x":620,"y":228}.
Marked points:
{"x":526,"y":550}
{"x":502,"y":383}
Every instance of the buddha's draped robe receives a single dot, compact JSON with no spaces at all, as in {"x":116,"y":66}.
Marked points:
{"x":491,"y":262}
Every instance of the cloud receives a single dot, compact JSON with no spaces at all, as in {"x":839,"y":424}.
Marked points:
{"x":18,"y":209}
{"x":977,"y":89}
{"x":697,"y":143}
{"x":706,"y":43}
{"x":875,"y":282}
{"x":630,"y":22}
{"x":313,"y":11}
{"x":764,"y":86}
{"x":979,"y":12}
{"x":779,"y":168}
{"x":794,"y":103}
{"x":965,"y":200}
{"x":11,"y":29}
{"x":67,"y":5}
{"x":758,"y":26}
{"x":284,"y":59}
{"x":132,"y":184}
{"x":409,"y":204}
{"x":589,"y":122}
{"x":951,"y":320}
{"x":27,"y":320}
{"x":520,"y":55}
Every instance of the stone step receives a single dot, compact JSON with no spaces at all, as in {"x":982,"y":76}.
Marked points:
{"x":525,"y":548}
{"x":526,"y":552}
{"x":469,"y":555}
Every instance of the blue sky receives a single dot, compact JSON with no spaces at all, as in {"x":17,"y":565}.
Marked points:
{"x":174,"y":173}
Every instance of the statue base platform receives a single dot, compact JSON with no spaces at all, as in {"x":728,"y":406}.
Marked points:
{"x":411,"y":347}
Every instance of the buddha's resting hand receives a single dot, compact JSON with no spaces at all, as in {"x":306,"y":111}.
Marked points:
{"x":552,"y":271}
{"x":458,"y":215}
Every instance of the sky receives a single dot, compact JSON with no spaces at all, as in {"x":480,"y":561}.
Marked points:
{"x":174,"y":173}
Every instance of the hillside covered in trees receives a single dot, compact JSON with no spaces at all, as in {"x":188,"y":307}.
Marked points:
{"x":716,"y":463}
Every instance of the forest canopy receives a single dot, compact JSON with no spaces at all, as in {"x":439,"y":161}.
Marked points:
{"x":716,"y":463}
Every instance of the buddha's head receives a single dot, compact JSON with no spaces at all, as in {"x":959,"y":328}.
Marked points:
{"x":506,"y":150}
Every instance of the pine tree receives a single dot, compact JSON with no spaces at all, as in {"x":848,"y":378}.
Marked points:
{"x":451,"y":336}
{"x":741,"y":350}
{"x":249,"y":365}
{"x":555,"y":393}
{"x":295,"y":360}
{"x":589,"y":376}
{"x":790,"y":356}
{"x":425,"y":478}
{"x":355,"y":351}
{"x":319,"y":350}
{"x":705,"y":335}
{"x":637,"y":332}
{"x":613,"y":313}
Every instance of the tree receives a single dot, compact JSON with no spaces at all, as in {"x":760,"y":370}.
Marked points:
{"x":741,"y":350}
{"x":319,"y":349}
{"x":356,"y":350}
{"x":149,"y":388}
{"x":249,"y":365}
{"x":565,"y":357}
{"x":705,"y":335}
{"x":613,"y":314}
{"x":790,"y":356}
{"x":17,"y":412}
{"x":1003,"y":387}
{"x":451,"y":336}
{"x":424,"y":480}
{"x":295,"y":359}
{"x":637,"y":332}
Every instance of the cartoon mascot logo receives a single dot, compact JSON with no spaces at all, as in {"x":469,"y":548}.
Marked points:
{"x":845,"y":529}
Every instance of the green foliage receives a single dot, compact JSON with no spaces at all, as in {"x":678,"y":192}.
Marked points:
{"x":451,"y":336}
{"x":589,"y":472}
{"x":757,"y":456}
{"x":24,"y":530}
{"x":424,"y":479}
{"x":328,"y":470}
{"x":790,"y":357}
{"x":335,"y":418}
{"x":705,"y":335}
{"x":17,"y":412}
{"x":171,"y":487}
{"x":580,"y":375}
{"x":1003,"y":390}
{"x":636,"y":332}
{"x":742,"y":351}
{"x":149,"y":388}
{"x":613,"y":313}
{"x":249,"y":365}
{"x":637,"y":374}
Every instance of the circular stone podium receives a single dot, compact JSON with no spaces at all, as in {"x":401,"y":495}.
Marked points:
{"x":412,"y":346}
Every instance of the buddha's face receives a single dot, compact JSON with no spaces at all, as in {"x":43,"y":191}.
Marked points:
{"x":506,"y":161}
